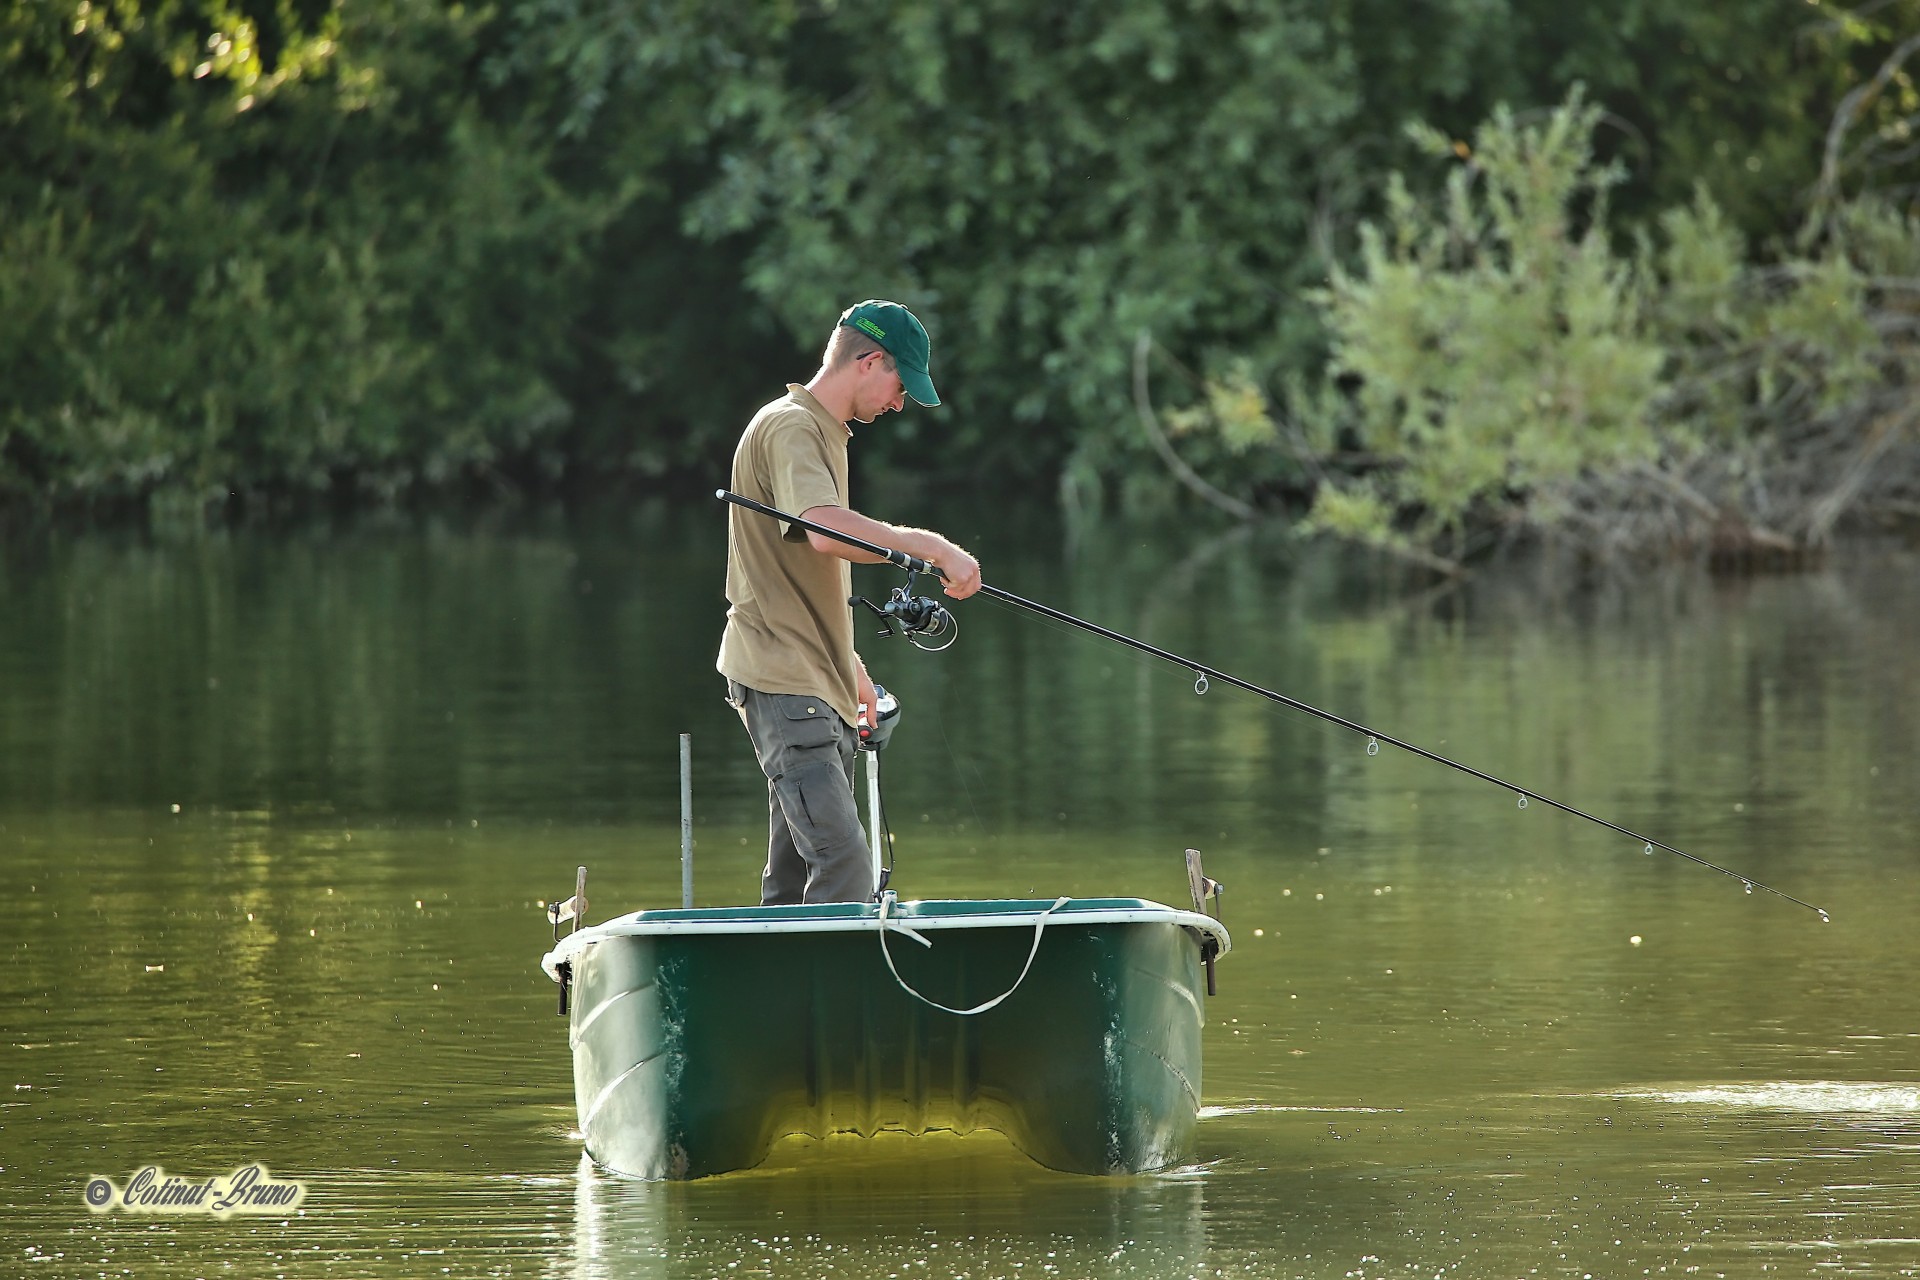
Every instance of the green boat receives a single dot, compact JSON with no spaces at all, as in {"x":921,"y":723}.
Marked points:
{"x":702,"y":1036}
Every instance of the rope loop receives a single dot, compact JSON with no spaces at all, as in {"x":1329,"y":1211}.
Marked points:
{"x":1039,"y":927}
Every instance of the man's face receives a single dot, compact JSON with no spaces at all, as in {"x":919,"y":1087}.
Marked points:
{"x":878,"y":389}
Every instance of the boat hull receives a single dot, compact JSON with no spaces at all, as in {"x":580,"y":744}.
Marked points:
{"x":700,"y":1038}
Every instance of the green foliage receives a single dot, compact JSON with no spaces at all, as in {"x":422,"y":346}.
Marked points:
{"x":1499,"y":354}
{"x":1235,"y":406}
{"x":259,"y":264}
{"x":267,"y":245}
{"x":1733,"y":95}
{"x":1497,"y":346}
{"x":1041,"y":184}
{"x":1821,"y":336}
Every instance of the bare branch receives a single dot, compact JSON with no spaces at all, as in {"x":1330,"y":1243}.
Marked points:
{"x":1422,"y":557}
{"x":1150,"y":422}
{"x":1688,"y":496}
{"x":1826,"y":512}
{"x":1827,"y":189}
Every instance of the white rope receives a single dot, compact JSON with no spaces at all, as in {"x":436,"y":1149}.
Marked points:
{"x":1039,"y":926}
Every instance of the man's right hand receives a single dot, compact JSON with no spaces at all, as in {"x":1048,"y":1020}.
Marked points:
{"x":959,"y":572}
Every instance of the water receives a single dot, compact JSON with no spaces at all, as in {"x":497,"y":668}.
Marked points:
{"x":278,"y":810}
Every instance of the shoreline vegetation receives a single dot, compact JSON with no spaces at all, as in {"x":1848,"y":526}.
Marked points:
{"x":1627,"y":282}
{"x":1499,"y":370}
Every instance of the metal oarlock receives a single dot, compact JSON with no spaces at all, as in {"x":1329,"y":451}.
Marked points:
{"x":574,"y":909}
{"x":1205,"y":889}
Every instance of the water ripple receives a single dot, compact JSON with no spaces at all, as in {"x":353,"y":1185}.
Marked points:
{"x":1818,"y":1097}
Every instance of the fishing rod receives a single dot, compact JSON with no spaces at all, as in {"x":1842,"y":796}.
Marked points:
{"x":913,"y":615}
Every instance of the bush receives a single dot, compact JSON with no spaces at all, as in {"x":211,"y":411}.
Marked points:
{"x":1504,"y":368}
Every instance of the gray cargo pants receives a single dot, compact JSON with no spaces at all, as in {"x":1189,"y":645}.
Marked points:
{"x":816,"y":850}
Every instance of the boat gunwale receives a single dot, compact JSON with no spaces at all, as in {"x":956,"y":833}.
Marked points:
{"x":904,"y":917}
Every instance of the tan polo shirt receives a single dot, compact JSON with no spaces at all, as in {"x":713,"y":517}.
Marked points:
{"x":789,"y":629}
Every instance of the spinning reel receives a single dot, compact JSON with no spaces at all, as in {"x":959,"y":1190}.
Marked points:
{"x":919,"y":619}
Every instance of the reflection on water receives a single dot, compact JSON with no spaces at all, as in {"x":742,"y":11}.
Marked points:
{"x":1258,"y":1108}
{"x":886,"y":1206}
{"x":276,"y":812}
{"x":1818,"y":1097}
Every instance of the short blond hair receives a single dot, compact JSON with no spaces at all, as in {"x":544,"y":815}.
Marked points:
{"x":847,"y":345}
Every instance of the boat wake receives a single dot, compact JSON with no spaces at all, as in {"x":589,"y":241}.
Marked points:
{"x":1259,"y":1108}
{"x":1819,"y":1097}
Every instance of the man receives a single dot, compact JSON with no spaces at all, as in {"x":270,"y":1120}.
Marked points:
{"x":787,"y":653}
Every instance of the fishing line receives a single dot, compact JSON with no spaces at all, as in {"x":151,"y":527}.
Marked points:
{"x":1140,"y":661}
{"x":960,"y":767}
{"x":1205,"y":675}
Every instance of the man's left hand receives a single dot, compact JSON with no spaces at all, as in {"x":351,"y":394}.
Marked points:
{"x":869,"y":712}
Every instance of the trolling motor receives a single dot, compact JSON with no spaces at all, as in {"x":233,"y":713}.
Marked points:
{"x":877,"y":725}
{"x":919,"y":619}
{"x":923,"y":623}
{"x":881,"y":717}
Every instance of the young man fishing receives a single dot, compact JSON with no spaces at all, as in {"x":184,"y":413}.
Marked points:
{"x":787,"y":652}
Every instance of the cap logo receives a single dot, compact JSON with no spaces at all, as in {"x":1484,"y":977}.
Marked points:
{"x":871,"y":327}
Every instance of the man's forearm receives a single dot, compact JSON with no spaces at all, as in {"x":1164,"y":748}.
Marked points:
{"x":915,"y":542}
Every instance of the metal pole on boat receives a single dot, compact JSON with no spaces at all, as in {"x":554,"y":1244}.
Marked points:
{"x":873,"y":813}
{"x":686,"y":820}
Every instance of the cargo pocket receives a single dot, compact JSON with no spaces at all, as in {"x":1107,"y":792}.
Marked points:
{"x":805,"y":722}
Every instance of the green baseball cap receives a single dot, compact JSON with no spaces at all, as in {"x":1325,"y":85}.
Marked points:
{"x":903,"y":337}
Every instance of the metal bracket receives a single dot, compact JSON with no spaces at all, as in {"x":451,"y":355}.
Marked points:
{"x":1203,"y":890}
{"x":574,"y":909}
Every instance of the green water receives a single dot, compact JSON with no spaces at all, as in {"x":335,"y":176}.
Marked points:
{"x":277,"y":809}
